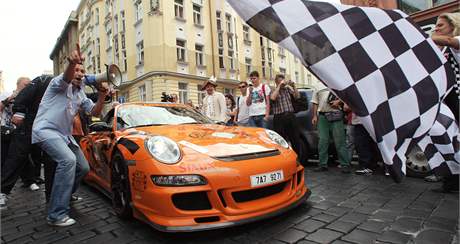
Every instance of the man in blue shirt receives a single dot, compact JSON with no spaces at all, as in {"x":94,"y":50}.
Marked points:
{"x":52,"y":131}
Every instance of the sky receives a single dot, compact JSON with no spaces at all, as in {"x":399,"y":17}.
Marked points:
{"x":28,"y":30}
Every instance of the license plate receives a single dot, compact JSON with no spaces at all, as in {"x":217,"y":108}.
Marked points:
{"x":267,"y":178}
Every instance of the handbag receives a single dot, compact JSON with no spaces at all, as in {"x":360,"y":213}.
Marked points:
{"x":334,"y":115}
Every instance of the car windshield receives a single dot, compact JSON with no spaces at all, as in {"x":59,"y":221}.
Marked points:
{"x":136,"y":115}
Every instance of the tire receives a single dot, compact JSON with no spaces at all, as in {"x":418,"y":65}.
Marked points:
{"x":417,"y":164}
{"x":121,"y":191}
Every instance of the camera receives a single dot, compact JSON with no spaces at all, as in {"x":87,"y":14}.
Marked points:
{"x":166,"y":97}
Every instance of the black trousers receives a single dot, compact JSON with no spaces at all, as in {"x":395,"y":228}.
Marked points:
{"x":286,"y":125}
{"x":17,"y":162}
{"x":368,"y":153}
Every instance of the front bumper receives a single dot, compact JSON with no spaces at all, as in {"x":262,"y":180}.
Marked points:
{"x":204,"y":227}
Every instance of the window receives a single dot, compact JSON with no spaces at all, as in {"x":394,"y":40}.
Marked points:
{"x":96,"y":20}
{"x":196,"y":14}
{"x":142,"y":93}
{"x":262,"y":53}
{"x":98,"y":46}
{"x":230,"y":41}
{"x":296,"y":76}
{"x":125,"y":60}
{"x":154,"y":5}
{"x":281,"y":51}
{"x":138,"y":10}
{"x":264,"y":74}
{"x":201,"y":94}
{"x":140,"y":52}
{"x":309,"y":79}
{"x":228,"y":22}
{"x":199,"y":55}
{"x":123,"y":41}
{"x":109,"y":38}
{"x":98,"y":63}
{"x":115,"y":42}
{"x":270,"y":69}
{"x":107,"y":7}
{"x":183,"y":92}
{"x":115,"y":24}
{"x":246,"y":33}
{"x":247,"y":62}
{"x":220,"y":39}
{"x":231,"y":60}
{"x":125,"y":97}
{"x":180,"y":48}
{"x":229,"y":91}
{"x":123,"y":22}
{"x":221,"y":58}
{"x":282,"y":70}
{"x":219,"y":21}
{"x":269,"y":54}
{"x":179,"y":8}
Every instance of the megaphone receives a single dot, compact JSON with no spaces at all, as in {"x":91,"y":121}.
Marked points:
{"x":111,"y":75}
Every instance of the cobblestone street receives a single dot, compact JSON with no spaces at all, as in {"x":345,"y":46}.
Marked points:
{"x":342,"y":209}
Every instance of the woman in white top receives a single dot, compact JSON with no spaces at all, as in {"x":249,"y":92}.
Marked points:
{"x":447,"y":36}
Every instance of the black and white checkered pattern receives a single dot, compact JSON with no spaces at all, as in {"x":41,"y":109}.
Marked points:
{"x":441,"y":145}
{"x":377,"y":61}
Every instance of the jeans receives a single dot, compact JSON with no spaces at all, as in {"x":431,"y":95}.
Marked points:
{"x":338,"y":135}
{"x":71,"y":167}
{"x":257,"y":121}
{"x":286,"y":125}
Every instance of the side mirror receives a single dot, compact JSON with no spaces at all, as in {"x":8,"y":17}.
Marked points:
{"x":100,"y":127}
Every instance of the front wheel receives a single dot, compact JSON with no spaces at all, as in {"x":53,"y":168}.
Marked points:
{"x":417,"y":163}
{"x":121,"y":191}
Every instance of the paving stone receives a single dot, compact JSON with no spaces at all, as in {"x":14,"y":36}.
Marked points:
{"x":341,"y":226}
{"x":404,"y":224}
{"x":309,"y":225}
{"x":291,"y":236}
{"x":327,"y":218}
{"x":373,"y":226}
{"x":366,"y":209}
{"x":396,"y":237}
{"x":107,"y":228}
{"x":385,"y":215}
{"x":354,"y":217}
{"x":340,"y":242}
{"x":51,"y":238}
{"x":360,"y":236}
{"x":306,"y":242}
{"x":416,"y":213}
{"x":324,"y":236}
{"x":338,"y":211}
{"x":439,"y":223}
{"x":77,"y":238}
{"x":324,"y":205}
{"x":104,"y":237}
{"x":433,"y":236}
{"x":447,"y":209}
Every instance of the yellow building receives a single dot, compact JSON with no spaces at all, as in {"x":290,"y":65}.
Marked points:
{"x":173,"y":46}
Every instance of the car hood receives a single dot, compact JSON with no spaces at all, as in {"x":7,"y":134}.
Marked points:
{"x":216,"y":140}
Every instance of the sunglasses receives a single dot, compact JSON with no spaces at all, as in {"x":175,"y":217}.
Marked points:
{"x":242,"y":86}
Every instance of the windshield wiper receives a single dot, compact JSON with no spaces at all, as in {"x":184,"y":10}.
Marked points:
{"x":135,"y":126}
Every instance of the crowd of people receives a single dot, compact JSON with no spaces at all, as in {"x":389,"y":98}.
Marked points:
{"x":40,"y":124}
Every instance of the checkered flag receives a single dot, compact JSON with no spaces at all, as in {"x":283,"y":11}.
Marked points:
{"x":377,"y":61}
{"x":441,"y":145}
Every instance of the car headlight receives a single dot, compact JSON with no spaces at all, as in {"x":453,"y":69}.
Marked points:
{"x":277,"y":138}
{"x":178,"y":180}
{"x":163,"y":149}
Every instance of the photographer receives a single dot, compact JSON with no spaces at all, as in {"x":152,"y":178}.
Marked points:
{"x":284,"y":120}
{"x":328,"y":114}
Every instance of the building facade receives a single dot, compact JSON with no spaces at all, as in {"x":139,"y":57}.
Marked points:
{"x":173,"y":46}
{"x":65,"y":43}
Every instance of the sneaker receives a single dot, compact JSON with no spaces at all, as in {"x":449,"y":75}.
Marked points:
{"x":433,"y":178}
{"x":39,"y":181}
{"x":3,"y":200}
{"x":346,"y":169}
{"x":75,"y":198}
{"x":387,"y":173}
{"x":365,"y":171}
{"x":66,"y":221}
{"x":320,"y":169}
{"x":34,"y":187}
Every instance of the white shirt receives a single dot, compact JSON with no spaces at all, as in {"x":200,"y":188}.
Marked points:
{"x":243,"y":109}
{"x":258,"y":97}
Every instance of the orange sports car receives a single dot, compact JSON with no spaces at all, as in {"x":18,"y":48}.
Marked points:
{"x":170,"y":166}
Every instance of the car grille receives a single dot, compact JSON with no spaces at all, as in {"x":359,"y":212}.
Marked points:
{"x":246,"y":156}
{"x":191,"y":201}
{"x":254,"y":194}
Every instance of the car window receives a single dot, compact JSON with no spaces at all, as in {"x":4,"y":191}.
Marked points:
{"x":135,"y":115}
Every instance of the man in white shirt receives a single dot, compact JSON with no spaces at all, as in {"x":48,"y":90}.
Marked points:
{"x":258,"y":101}
{"x":242,"y":109}
{"x":214,"y":105}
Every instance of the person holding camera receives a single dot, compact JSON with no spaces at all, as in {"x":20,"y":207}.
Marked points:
{"x":52,"y":132}
{"x":214,"y":105}
{"x":328,"y":115}
{"x":284,"y":120}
